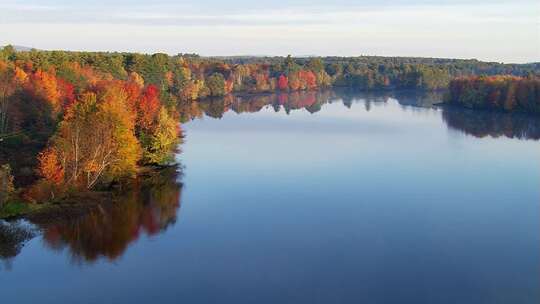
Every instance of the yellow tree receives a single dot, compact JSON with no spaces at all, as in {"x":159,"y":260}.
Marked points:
{"x":137,"y":79}
{"x":96,"y":140}
{"x":161,"y":142}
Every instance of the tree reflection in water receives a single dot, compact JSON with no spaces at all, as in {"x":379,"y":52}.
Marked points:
{"x":476,"y":123}
{"x":13,"y":236}
{"x":149,"y":207}
{"x":216,"y":107}
{"x":481,"y":124}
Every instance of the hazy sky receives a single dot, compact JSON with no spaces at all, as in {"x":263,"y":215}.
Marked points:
{"x":493,"y":30}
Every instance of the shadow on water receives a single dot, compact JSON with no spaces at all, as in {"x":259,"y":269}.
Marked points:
{"x":148,"y":207}
{"x":476,"y":123}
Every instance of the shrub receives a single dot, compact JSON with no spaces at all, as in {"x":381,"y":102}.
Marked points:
{"x":6,"y":184}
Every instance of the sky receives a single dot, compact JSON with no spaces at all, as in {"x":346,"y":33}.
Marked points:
{"x":490,"y":30}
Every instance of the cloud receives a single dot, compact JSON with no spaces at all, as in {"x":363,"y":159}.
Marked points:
{"x":185,"y":15}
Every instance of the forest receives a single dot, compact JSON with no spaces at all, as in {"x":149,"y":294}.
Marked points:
{"x":71,"y":128}
{"x":189,"y":76}
{"x":507,"y":93}
{"x":80,"y":121}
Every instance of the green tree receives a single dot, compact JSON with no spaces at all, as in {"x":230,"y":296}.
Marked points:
{"x":161,"y":142}
{"x":216,"y":84}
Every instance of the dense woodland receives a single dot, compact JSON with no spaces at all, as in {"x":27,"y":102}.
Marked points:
{"x":76,"y":128}
{"x":72,"y":121}
{"x":508,"y":93}
{"x":189,"y":76}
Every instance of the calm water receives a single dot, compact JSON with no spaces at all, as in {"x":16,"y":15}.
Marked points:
{"x":308,"y":198}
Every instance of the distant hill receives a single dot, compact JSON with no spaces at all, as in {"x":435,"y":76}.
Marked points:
{"x":19,"y":48}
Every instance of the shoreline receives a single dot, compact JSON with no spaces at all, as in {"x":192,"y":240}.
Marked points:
{"x":80,"y":203}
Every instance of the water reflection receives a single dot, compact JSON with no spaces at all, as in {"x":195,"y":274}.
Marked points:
{"x":482,"y":124}
{"x":13,"y":236}
{"x":476,"y":123}
{"x":148,"y":207}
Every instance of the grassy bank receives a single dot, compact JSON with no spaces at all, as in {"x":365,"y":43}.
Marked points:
{"x":17,"y":209}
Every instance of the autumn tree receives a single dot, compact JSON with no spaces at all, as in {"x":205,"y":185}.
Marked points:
{"x":191,"y":90}
{"x":508,"y":93}
{"x":229,"y":85}
{"x":44,"y":86}
{"x":50,"y":166}
{"x":135,"y":78}
{"x":6,"y":183}
{"x":261,"y":82}
{"x":148,"y":107}
{"x":216,"y":84}
{"x":283,"y":83}
{"x":96,"y":140}
{"x":161,"y":141}
{"x":294,"y":82}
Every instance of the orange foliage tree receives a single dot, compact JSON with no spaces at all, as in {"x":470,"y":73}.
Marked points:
{"x":96,"y":139}
{"x":50,"y":166}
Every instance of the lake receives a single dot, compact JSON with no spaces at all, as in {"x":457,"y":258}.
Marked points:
{"x":310,"y":197}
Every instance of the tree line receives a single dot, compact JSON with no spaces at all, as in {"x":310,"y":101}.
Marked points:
{"x":507,"y":93}
{"x":189,"y":76}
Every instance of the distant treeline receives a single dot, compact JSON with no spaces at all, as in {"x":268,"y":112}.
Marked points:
{"x":189,"y":76}
{"x":507,"y":93}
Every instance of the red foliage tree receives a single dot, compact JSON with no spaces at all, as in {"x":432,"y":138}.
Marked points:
{"x":283,"y":83}
{"x":133,"y":91}
{"x":148,"y":107}
{"x":67,"y":93}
